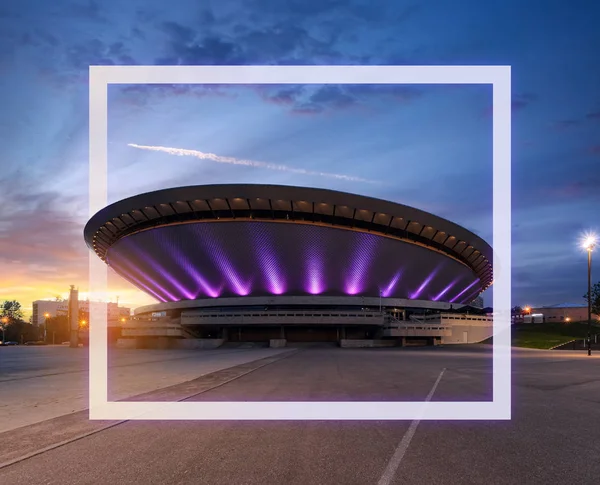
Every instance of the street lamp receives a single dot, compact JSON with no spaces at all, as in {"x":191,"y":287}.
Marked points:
{"x":4,"y":321}
{"x":46,"y":316}
{"x":589,"y":244}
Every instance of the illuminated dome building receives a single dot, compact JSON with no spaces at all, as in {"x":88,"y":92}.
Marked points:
{"x":260,"y":262}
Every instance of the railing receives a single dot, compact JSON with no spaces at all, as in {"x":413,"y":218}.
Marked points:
{"x":414,"y":318}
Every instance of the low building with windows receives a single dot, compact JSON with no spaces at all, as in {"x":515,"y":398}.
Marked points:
{"x":54,"y":308}
{"x":564,"y":312}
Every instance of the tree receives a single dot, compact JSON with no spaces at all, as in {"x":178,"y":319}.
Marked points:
{"x":57,"y":330}
{"x":517,"y":310}
{"x":595,"y":298}
{"x":11,"y":318}
{"x":12,"y":310}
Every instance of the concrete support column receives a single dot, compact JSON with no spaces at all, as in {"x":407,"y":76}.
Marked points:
{"x":282,"y":332}
{"x":73,"y":317}
{"x":224,"y":334}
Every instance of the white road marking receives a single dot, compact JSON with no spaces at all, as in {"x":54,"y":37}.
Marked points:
{"x":394,"y":462}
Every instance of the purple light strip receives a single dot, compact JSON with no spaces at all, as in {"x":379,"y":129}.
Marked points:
{"x":266,"y":255}
{"x":392,"y":284}
{"x":270,"y":270}
{"x":445,"y":290}
{"x":315,"y":274}
{"x":313,"y":257}
{"x":417,"y":294}
{"x":472,"y":295}
{"x":204,"y":286}
{"x":123,"y":262}
{"x":464,"y":291}
{"x":220,"y":259}
{"x":141,"y":286}
{"x":165,"y":274}
{"x":360,"y":264}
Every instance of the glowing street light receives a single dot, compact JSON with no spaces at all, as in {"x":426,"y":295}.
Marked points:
{"x":83,"y":323}
{"x":589,"y":243}
{"x":46,"y":317}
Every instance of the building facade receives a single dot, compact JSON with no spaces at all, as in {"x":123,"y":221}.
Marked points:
{"x":58,"y":308}
{"x":264,"y":262}
{"x":564,"y":312}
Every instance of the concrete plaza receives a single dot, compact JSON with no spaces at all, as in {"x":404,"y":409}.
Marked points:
{"x":551,"y":438}
{"x":39,"y":383}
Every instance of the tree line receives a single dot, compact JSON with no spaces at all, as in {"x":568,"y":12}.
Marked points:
{"x":54,"y":330}
{"x":15,"y":329}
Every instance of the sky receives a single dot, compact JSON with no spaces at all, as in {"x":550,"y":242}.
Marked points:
{"x":424,"y":146}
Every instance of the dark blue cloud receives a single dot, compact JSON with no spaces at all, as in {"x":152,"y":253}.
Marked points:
{"x":48,"y":46}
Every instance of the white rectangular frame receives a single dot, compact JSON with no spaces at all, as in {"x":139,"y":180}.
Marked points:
{"x":500,"y":79}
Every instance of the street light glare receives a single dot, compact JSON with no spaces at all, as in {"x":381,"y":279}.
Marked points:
{"x":589,"y":241}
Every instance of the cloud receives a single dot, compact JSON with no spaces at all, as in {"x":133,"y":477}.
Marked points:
{"x":593,"y":115}
{"x":298,"y":33}
{"x":148,"y":94}
{"x":566,"y":124}
{"x":42,"y":250}
{"x":519,"y":102}
{"x":89,"y":10}
{"x":249,"y":163}
{"x":303,"y":99}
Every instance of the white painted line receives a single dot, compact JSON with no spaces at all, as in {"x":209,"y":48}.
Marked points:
{"x":394,"y":462}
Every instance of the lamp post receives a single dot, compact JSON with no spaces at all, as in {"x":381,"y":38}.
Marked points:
{"x":4,"y":321}
{"x":589,"y":244}
{"x":46,"y":316}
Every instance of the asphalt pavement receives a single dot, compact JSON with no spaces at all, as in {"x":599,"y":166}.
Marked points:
{"x":552,"y":438}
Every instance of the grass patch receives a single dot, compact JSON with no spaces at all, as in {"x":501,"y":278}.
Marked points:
{"x":548,"y":335}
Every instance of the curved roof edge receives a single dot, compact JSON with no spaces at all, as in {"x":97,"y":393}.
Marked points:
{"x":282,"y":203}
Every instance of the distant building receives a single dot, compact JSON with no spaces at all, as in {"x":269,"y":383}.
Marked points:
{"x":564,"y":312}
{"x":477,"y":302}
{"x":57,"y":308}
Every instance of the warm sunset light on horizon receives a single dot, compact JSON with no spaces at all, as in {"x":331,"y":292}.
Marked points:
{"x":127,"y":296}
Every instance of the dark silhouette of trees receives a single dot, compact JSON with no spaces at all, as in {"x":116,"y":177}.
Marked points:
{"x":15,"y":328}
{"x":595,"y":298}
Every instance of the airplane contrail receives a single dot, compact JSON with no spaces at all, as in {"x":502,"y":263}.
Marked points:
{"x":251,"y":163}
